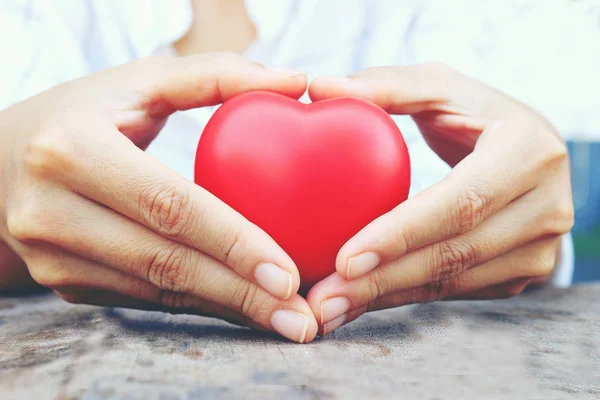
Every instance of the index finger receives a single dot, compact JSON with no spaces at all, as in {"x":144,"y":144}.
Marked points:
{"x":182,"y":83}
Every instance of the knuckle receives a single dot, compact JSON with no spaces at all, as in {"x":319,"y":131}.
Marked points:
{"x":166,"y":209}
{"x":412,"y":296}
{"x":568,"y":217}
{"x":49,"y":273}
{"x":29,"y":223}
{"x":49,"y":152}
{"x":167,"y":269}
{"x":472,"y":206}
{"x":232,"y":247}
{"x":544,"y":259}
{"x":453,"y":258}
{"x":560,"y":218}
{"x":435,"y":290}
{"x":42,"y":275}
{"x":378,"y":283}
{"x":18,"y":227}
{"x":556,"y":151}
{"x":171,"y":299}
{"x":248,"y":301}
{"x":405,"y":238}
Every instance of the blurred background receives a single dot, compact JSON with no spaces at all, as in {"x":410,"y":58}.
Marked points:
{"x":585,"y":172}
{"x":546,"y":53}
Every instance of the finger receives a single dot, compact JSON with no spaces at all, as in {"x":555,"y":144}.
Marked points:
{"x":421,"y":88}
{"x":80,"y":281}
{"x":95,"y":232}
{"x":477,"y":188}
{"x":189,"y":305}
{"x":207,"y":79}
{"x":424,"y":294}
{"x":500,"y":291}
{"x":62,"y":271}
{"x":331,"y":326}
{"x":452,"y":257}
{"x":171,"y":302}
{"x":107,"y":168}
{"x":398,"y":90}
{"x":100,"y":234}
{"x":334,"y":297}
{"x":174,"y":303}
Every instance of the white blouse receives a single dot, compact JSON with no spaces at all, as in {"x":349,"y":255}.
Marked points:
{"x":543,"y":53}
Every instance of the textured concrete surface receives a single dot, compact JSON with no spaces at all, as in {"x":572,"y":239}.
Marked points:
{"x":544,"y":345}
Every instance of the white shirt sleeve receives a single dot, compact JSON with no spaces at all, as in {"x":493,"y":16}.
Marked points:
{"x":563,"y":273}
{"x":44,"y":43}
{"x":544,"y":53}
{"x":38,"y":49}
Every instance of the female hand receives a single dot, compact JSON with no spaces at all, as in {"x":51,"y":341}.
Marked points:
{"x":485,"y":231}
{"x":101,"y":222}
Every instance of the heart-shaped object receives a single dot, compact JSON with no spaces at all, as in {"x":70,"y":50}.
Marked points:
{"x":310,"y":175}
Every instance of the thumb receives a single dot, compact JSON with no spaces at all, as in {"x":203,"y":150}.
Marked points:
{"x":181,"y":83}
{"x":398,"y":90}
{"x":417,"y":90}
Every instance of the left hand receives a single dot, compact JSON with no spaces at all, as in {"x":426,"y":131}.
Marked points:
{"x":485,"y":231}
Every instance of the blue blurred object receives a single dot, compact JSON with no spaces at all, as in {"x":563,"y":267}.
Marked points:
{"x":585,"y":173}
{"x":587,"y":269}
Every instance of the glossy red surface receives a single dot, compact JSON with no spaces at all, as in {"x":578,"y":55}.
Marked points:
{"x":310,"y":175}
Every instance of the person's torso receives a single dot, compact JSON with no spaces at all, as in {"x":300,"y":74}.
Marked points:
{"x":68,"y":39}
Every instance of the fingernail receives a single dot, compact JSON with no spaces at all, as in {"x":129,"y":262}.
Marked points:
{"x":290,"y":324}
{"x":333,"y":308}
{"x":274,"y":280}
{"x":361,"y":264}
{"x":333,"y":325}
{"x":286,"y":71}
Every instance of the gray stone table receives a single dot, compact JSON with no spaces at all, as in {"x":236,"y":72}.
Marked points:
{"x":543,"y":345}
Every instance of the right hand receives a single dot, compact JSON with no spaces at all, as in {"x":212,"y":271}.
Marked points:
{"x":101,"y":222}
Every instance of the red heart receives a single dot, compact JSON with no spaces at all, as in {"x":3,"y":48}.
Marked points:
{"x":310,"y":175}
